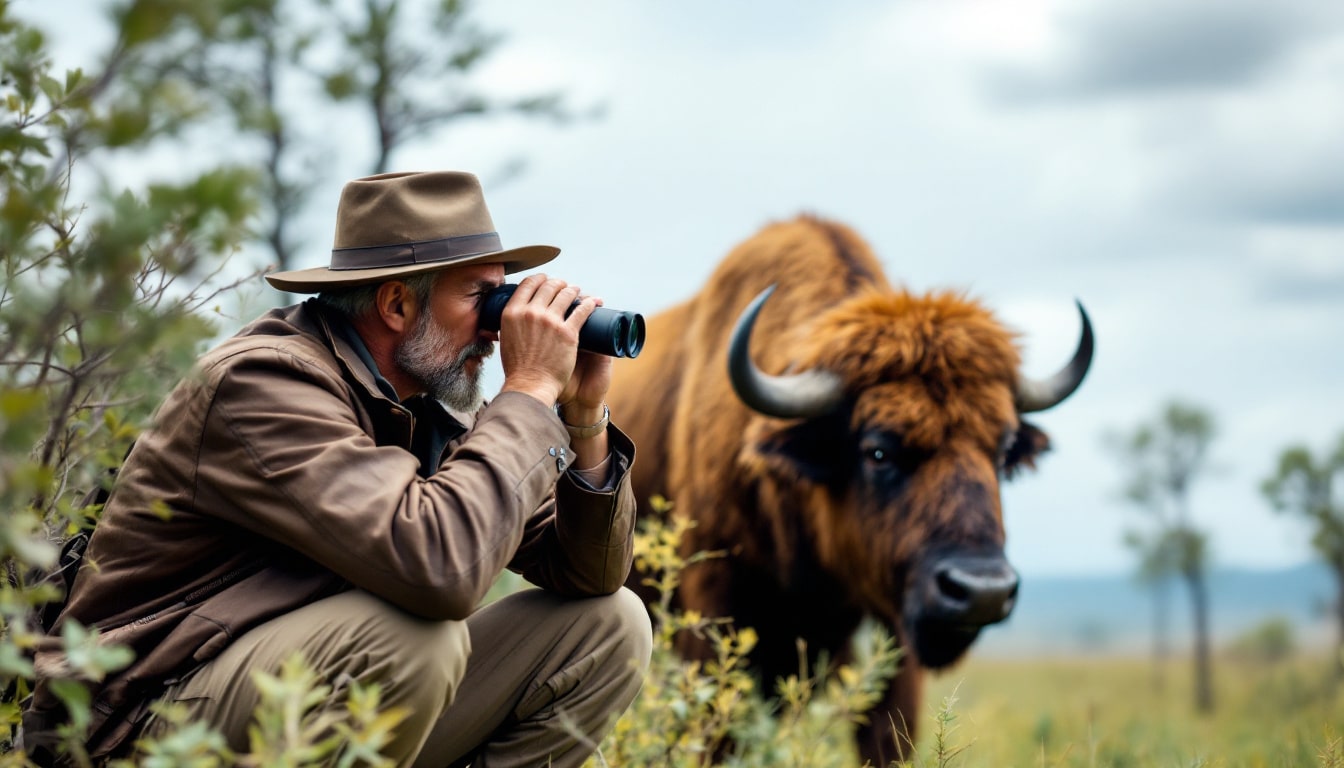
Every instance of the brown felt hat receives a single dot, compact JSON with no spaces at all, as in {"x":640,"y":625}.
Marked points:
{"x":403,"y":224}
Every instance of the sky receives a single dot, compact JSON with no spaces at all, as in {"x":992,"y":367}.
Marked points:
{"x":1176,"y":167}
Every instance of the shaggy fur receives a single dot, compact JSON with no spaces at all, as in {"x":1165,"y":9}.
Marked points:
{"x":818,"y":532}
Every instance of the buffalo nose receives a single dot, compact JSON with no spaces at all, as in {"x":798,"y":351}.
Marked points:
{"x":976,"y":590}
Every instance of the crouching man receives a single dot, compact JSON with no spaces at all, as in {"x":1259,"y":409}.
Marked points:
{"x":330,"y":481}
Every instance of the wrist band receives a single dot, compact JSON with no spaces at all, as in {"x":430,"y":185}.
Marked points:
{"x":582,"y":433}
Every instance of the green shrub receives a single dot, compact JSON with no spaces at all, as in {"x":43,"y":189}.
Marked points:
{"x":691,"y":712}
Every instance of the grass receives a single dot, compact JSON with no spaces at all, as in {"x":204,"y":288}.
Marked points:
{"x":1096,"y":713}
{"x":1082,"y":712}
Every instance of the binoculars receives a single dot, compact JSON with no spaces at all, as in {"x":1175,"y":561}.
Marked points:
{"x":609,"y":332}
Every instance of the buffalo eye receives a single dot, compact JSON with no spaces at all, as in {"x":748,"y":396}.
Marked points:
{"x":877,"y":453}
{"x":887,"y":463}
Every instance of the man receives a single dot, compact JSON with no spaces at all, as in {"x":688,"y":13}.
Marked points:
{"x":305,"y":490}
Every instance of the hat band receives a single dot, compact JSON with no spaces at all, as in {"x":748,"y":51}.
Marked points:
{"x":405,"y":254}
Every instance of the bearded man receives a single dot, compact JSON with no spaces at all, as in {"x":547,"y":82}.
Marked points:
{"x":330,"y":482}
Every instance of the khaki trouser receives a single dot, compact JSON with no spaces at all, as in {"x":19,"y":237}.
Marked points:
{"x":530,"y":680}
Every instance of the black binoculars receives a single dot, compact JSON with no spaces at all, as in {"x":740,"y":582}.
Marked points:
{"x":609,"y":332}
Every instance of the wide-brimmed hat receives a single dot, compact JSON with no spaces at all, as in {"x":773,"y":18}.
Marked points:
{"x":402,"y":224}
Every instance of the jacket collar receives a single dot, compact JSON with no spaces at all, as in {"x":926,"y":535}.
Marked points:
{"x":351,"y":353}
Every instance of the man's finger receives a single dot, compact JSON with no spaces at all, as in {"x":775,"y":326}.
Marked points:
{"x":545,"y":294}
{"x":581,"y":313}
{"x":564,"y":298}
{"x":527,"y":287}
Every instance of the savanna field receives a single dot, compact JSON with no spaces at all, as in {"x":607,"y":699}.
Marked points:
{"x":1095,"y":713}
{"x":1107,"y":712}
{"x":1275,"y":711}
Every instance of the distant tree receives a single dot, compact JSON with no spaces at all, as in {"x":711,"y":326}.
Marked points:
{"x":1162,"y":459}
{"x":253,"y":75}
{"x":290,"y":78}
{"x":411,"y":84}
{"x":1306,"y":485}
{"x":1156,"y":572}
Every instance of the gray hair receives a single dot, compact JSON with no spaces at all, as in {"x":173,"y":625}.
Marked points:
{"x":361,"y":300}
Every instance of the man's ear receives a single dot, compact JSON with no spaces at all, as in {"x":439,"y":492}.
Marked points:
{"x":395,"y":306}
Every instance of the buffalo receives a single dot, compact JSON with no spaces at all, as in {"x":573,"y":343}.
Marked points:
{"x":842,"y":443}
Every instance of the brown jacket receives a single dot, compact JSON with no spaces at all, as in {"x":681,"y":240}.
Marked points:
{"x":278,"y":474}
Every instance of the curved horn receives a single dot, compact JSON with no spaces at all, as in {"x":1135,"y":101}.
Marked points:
{"x":800,"y":395}
{"x":1033,"y":395}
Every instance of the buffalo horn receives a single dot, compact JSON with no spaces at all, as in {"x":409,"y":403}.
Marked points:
{"x":1033,"y":395}
{"x":799,"y":395}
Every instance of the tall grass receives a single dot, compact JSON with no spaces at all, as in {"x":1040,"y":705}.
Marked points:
{"x":1107,"y":712}
{"x":982,"y":713}
{"x":697,"y":713}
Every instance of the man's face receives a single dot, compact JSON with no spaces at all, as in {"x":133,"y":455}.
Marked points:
{"x":446,"y":349}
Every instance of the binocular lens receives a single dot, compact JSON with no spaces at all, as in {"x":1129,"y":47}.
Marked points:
{"x":623,"y":337}
{"x":632,"y":327}
{"x":610,"y":332}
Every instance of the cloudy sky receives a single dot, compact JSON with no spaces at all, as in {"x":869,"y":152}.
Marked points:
{"x":1177,"y":167}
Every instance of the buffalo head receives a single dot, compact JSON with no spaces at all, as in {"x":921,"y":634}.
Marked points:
{"x":896,"y":433}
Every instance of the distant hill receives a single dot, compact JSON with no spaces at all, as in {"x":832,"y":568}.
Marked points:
{"x":1114,"y":614}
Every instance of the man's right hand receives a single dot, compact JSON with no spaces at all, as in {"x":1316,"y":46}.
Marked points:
{"x":538,"y":345}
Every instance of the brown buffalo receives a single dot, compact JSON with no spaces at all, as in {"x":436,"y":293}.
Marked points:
{"x":855,"y":472}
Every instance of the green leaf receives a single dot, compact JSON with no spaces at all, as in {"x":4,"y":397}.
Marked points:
{"x":90,"y":657}
{"x":73,"y":79}
{"x":77,"y":700}
{"x":13,"y":663}
{"x":22,"y":538}
{"x":51,"y":87}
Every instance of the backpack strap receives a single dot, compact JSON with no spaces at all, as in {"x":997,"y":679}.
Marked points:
{"x":62,"y":576}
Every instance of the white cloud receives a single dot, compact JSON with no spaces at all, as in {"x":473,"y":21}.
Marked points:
{"x":1108,"y":48}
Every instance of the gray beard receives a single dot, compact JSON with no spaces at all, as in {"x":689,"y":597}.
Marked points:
{"x":450,"y":383}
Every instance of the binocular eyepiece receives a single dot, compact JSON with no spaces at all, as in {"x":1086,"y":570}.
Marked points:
{"x":609,"y":332}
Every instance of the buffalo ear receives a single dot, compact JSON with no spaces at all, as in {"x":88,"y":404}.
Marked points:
{"x":1031,"y":442}
{"x":814,"y":449}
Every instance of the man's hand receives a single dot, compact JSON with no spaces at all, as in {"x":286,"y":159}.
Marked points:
{"x":586,"y":392}
{"x":539,"y":346}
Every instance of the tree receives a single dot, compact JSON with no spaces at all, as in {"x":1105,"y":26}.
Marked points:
{"x":109,"y":283}
{"x":269,"y":64}
{"x":1162,"y":460}
{"x":386,"y":69}
{"x":105,"y":298}
{"x":1305,"y":485}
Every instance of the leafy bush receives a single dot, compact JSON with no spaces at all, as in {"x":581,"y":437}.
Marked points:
{"x":104,"y":301}
{"x":289,"y":729}
{"x":690,"y":713}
